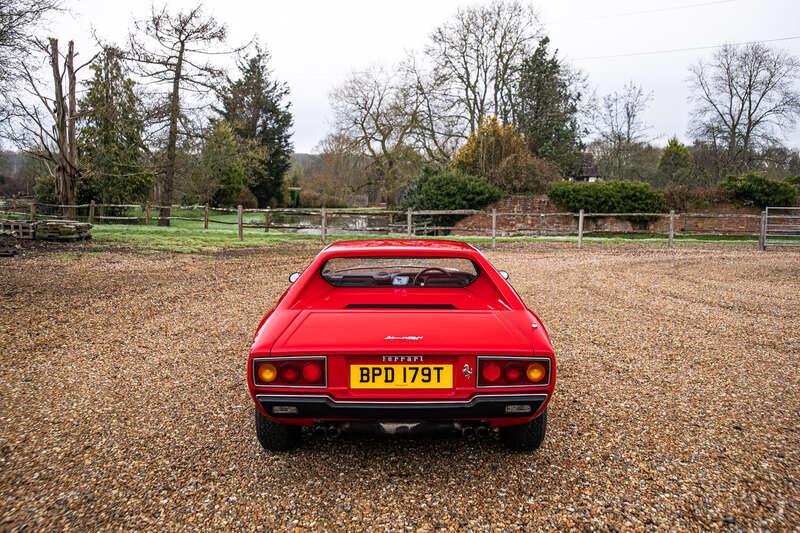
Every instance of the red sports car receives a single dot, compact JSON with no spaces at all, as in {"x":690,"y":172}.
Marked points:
{"x":401,"y":333}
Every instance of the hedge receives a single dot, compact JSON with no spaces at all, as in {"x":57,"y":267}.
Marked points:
{"x":448,"y":191}
{"x":755,"y":190}
{"x":608,"y":197}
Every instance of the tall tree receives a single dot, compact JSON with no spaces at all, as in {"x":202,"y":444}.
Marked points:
{"x":745,"y":98}
{"x":374,"y":111}
{"x":547,"y":107}
{"x":478,"y":55}
{"x":110,"y":141}
{"x":47,"y":129}
{"x":18,"y":19}
{"x":171,"y":50}
{"x":257,"y":107}
{"x":621,"y":129}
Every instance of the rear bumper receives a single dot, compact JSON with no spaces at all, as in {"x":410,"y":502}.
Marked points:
{"x":324,"y":407}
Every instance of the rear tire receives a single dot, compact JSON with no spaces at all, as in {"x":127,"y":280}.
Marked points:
{"x":525,"y":437}
{"x":275,"y":437}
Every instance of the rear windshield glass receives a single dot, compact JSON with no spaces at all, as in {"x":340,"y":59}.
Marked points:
{"x":399,"y":271}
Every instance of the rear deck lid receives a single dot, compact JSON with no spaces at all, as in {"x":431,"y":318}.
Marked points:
{"x":407,"y":331}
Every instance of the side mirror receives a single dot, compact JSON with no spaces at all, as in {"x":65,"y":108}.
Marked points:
{"x":503,"y":273}
{"x":293,"y":277}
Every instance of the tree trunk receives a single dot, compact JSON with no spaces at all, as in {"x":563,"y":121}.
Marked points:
{"x":67,"y":171}
{"x":172,"y":141}
{"x":73,"y":170}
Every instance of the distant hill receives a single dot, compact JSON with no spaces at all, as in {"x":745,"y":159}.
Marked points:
{"x":305,"y":160}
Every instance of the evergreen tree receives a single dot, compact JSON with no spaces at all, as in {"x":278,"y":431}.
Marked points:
{"x":255,"y":105}
{"x":675,"y":165}
{"x":547,"y":108}
{"x":110,"y":141}
{"x":221,"y":167}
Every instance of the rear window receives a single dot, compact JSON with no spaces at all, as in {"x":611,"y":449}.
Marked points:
{"x":399,"y":271}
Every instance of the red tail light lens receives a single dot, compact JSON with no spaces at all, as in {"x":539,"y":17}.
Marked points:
{"x":312,"y":372}
{"x":289,"y":372}
{"x":490,"y":372}
{"x":513,"y":371}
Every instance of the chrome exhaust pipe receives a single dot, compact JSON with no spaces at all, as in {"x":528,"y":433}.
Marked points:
{"x":469,"y":433}
{"x":482,"y":432}
{"x":333,"y":432}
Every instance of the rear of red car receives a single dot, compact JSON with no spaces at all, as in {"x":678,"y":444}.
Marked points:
{"x":400,"y":331}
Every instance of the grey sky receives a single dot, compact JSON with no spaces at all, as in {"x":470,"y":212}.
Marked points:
{"x":315,"y":44}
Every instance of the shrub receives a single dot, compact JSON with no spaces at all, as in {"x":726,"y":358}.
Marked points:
{"x":525,"y":173}
{"x":499,"y":153}
{"x":247,"y":199}
{"x":755,"y":190}
{"x":449,"y":191}
{"x":684,"y":198}
{"x":608,"y":197}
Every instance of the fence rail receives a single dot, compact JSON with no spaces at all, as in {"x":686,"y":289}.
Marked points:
{"x":776,"y":226}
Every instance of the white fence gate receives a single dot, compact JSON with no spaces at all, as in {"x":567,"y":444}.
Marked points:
{"x":780,"y":226}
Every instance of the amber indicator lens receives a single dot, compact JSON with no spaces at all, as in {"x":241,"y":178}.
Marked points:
{"x":266,"y":372}
{"x":294,"y":372}
{"x":536,"y":373}
{"x":501,"y":372}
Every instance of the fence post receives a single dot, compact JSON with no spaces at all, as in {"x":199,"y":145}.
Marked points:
{"x":671,"y":226}
{"x":33,"y":210}
{"x":239,"y":221}
{"x":147,"y":213}
{"x":408,"y":223}
{"x":205,"y":216}
{"x":580,"y":229}
{"x":762,"y":235}
{"x":267,"y":220}
{"x":91,"y":212}
{"x":324,"y":225}
{"x":494,"y":228}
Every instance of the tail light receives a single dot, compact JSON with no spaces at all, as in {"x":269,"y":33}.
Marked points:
{"x":289,"y":372}
{"x":513,"y":371}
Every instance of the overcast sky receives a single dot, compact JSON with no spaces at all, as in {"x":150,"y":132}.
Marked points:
{"x":315,"y":44}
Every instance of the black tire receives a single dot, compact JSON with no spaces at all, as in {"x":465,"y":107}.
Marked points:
{"x":525,"y":437}
{"x":275,"y":437}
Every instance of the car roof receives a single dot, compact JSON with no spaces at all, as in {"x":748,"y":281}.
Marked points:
{"x":392,"y":245}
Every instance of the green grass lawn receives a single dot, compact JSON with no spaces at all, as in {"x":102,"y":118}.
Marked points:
{"x":190,"y":237}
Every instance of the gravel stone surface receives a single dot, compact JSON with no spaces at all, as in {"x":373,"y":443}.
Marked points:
{"x":123,"y":402}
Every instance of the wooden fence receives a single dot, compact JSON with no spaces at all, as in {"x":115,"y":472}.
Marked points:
{"x":386,"y":221}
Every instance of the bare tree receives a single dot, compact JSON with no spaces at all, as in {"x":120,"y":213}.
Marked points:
{"x":375,"y":112}
{"x":170,"y":50}
{"x":439,"y":127}
{"x":476,"y":58}
{"x":620,"y":127}
{"x":18,"y":19}
{"x":745,"y":98}
{"x":46,"y":128}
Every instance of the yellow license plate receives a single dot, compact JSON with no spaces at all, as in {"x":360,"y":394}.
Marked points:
{"x":401,"y":376}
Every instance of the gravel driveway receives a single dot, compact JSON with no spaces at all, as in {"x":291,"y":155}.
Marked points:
{"x":123,"y":402}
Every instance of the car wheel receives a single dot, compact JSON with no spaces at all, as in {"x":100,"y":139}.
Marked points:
{"x":275,"y":437}
{"x":525,"y":437}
